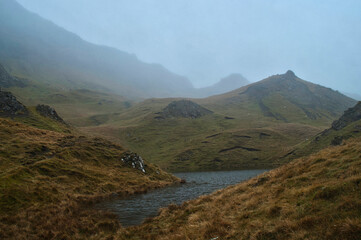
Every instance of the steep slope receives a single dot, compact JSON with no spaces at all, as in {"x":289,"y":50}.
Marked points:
{"x":347,"y":126}
{"x":247,"y":129}
{"x":39,"y":50}
{"x":226,"y":84}
{"x":316,"y":197}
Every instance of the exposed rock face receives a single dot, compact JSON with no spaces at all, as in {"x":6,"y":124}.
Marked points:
{"x":351,"y":115}
{"x":49,"y":112}
{"x":134,"y":160}
{"x":10,"y":107}
{"x":185,"y":109}
{"x":6,"y":80}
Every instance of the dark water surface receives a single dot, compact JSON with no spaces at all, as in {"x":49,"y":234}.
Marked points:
{"x":134,"y":209}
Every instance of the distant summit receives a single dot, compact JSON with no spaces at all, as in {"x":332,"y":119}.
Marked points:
{"x":184,"y":109}
{"x":226,"y":84}
{"x":290,"y":74}
{"x":308,"y":97}
{"x":287,"y":98}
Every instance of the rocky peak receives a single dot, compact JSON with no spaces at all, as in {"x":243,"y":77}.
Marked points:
{"x":10,"y":106}
{"x":185,"y":109}
{"x":351,"y":115}
{"x":290,"y":74}
{"x":49,"y":112}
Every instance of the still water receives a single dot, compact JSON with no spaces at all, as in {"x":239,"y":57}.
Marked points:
{"x":134,"y":209}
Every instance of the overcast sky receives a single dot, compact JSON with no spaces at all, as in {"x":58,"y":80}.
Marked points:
{"x":205,"y":40}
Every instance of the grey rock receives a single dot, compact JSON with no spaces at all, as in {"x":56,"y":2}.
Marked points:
{"x":10,"y":106}
{"x":49,"y":112}
{"x":133,"y":160}
{"x":351,"y":115}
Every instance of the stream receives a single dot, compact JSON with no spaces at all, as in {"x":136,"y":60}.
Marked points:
{"x":135,"y":209}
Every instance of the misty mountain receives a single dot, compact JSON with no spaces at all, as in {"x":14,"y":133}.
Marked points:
{"x":226,"y":84}
{"x":33,"y":47}
{"x":285,"y":97}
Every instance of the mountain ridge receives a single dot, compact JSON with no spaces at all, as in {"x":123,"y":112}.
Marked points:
{"x":40,"y":50}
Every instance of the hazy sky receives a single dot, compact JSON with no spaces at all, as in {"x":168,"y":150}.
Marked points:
{"x":205,"y":40}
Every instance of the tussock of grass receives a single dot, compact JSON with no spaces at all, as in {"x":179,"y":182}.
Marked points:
{"x":48,"y":181}
{"x":315,"y":197}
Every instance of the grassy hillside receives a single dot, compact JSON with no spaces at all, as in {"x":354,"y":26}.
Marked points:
{"x":35,"y":119}
{"x":248,"y":128}
{"x":48,"y":179}
{"x":79,"y":107}
{"x":342,"y":129}
{"x":316,"y":197}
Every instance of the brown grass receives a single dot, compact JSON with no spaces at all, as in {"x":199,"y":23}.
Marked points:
{"x":49,"y":181}
{"x":316,"y":197}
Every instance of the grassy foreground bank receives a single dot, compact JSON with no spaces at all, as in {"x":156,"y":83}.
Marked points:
{"x":49,"y":181}
{"x":315,"y":197}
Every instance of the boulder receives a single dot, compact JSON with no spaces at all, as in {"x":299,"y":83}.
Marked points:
{"x":10,"y":106}
{"x":351,"y":115}
{"x":133,"y":160}
{"x":49,"y":112}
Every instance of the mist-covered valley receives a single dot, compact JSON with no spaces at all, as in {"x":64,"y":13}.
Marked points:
{"x":179,"y":120}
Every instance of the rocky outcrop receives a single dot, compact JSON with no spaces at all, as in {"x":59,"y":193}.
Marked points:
{"x":10,"y":106}
{"x":133,"y":160}
{"x":49,"y":112}
{"x":184,"y":109}
{"x":351,"y":115}
{"x":6,"y":80}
